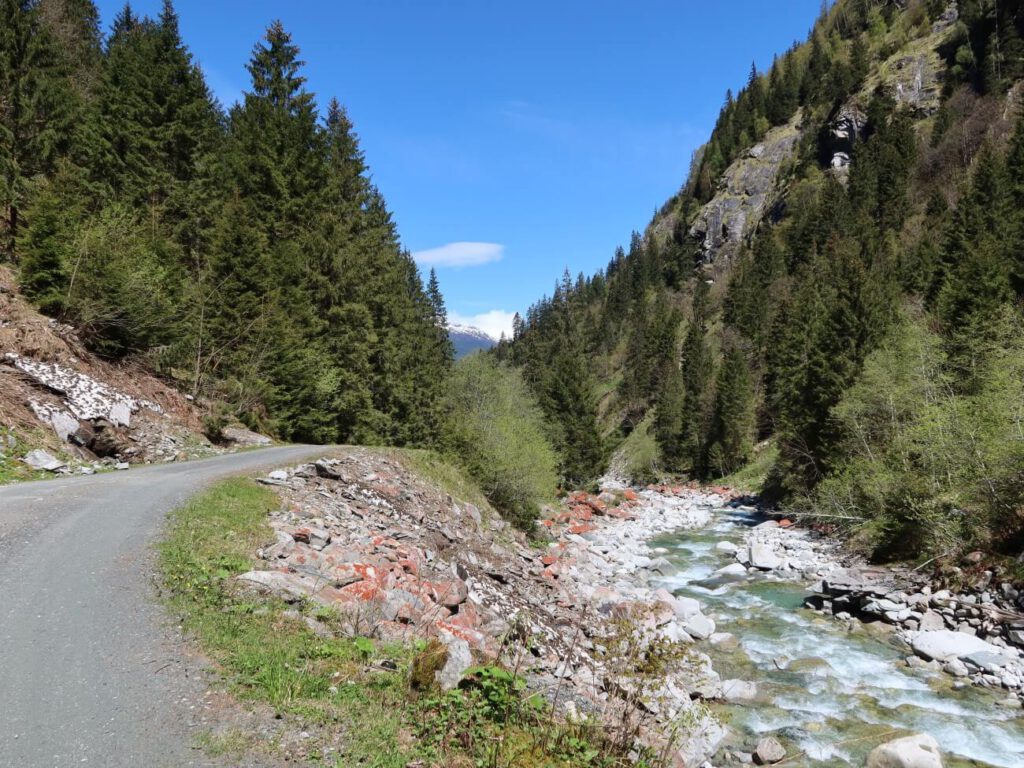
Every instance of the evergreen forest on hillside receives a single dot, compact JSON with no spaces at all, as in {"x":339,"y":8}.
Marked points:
{"x":243,"y":253}
{"x":866,"y":343}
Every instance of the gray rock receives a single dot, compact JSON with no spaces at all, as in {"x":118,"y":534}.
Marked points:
{"x":733,"y":569}
{"x":769,"y":751}
{"x":287,"y":585}
{"x":278,"y":474}
{"x":699,"y":626}
{"x":460,"y":658}
{"x":945,"y":645}
{"x":956,"y":668}
{"x":40,"y":459}
{"x":987,"y":660}
{"x":932,"y":621}
{"x":917,"y":751}
{"x":726,"y":547}
{"x":122,"y":465}
{"x":762,"y":557}
{"x":738,"y":691}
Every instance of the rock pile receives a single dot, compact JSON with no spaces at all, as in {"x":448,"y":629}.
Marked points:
{"x":398,"y":559}
{"x":966,"y":635}
{"x":94,"y":420}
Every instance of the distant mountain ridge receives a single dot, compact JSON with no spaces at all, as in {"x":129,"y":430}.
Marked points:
{"x":466,"y":339}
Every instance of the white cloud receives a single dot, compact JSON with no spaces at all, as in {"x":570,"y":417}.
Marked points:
{"x":460,"y":254}
{"x":493,"y":323}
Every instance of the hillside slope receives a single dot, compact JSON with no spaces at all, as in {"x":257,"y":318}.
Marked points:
{"x":57,"y":396}
{"x":848,"y":244}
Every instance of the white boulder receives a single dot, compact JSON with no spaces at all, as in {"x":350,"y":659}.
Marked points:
{"x":947,"y":645}
{"x":917,"y":751}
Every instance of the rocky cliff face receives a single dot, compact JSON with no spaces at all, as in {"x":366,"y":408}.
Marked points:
{"x":746,"y":191}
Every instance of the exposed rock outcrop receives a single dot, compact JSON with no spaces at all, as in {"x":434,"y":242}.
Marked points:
{"x":746,"y":191}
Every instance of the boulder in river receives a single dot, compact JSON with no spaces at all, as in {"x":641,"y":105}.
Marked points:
{"x":946,"y":645}
{"x":769,"y":751}
{"x":917,"y":751}
{"x":762,"y":556}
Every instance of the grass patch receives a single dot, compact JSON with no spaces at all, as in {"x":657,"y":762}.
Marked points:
{"x":451,"y":479}
{"x":750,"y":477}
{"x":268,"y":655}
{"x":640,"y":453}
{"x":363,"y":716}
{"x":12,"y":468}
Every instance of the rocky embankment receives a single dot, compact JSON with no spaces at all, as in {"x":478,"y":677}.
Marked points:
{"x":64,"y":410}
{"x":975,"y":633}
{"x":398,"y":559}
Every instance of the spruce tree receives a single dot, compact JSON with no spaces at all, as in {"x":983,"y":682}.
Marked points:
{"x":732,"y":425}
{"x":37,"y":111}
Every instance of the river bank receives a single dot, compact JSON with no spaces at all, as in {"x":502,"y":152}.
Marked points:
{"x":634,"y":610}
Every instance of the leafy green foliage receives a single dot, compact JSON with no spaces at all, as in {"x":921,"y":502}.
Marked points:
{"x":928,"y":470}
{"x":497,"y":430}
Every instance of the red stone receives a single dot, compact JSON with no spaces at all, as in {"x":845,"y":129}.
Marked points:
{"x":629,"y":494}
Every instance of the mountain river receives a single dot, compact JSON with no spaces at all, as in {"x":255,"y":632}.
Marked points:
{"x":829,"y":689}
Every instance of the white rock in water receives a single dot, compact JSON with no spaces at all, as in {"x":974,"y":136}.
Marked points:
{"x":734,"y":691}
{"x":762,"y":556}
{"x":726,"y":547}
{"x":946,"y":645}
{"x":699,"y":626}
{"x":40,"y":459}
{"x":917,"y":751}
{"x":769,"y":751}
{"x":733,"y":569}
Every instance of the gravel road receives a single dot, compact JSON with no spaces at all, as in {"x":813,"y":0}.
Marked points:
{"x":91,"y":672}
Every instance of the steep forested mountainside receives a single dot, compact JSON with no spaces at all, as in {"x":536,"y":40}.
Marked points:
{"x":835,"y":291}
{"x":244,"y":254}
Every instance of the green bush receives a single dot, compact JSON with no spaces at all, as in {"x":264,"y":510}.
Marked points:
{"x":929,"y":469}
{"x":496,"y":429}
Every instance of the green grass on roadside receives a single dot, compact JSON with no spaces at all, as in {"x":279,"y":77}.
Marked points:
{"x":265,"y":655}
{"x":12,"y":468}
{"x":371,"y":718}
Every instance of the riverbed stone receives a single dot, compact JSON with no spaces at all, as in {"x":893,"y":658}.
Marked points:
{"x":956,"y":668}
{"x":917,"y":751}
{"x":739,"y":691}
{"x":769,"y":751}
{"x":726,"y":547}
{"x":763,"y":557}
{"x":931,"y":621}
{"x":945,"y":645}
{"x":733,"y":569}
{"x":699,"y":626}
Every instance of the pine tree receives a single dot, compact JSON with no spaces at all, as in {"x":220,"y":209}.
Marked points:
{"x":732,"y":425}
{"x":697,"y":370}
{"x":668,"y":415}
{"x":37,"y":111}
{"x":275,"y":146}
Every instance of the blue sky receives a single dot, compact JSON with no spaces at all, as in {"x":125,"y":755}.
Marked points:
{"x":534,"y":136}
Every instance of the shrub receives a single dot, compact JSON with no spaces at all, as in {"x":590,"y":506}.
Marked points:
{"x":496,"y":429}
